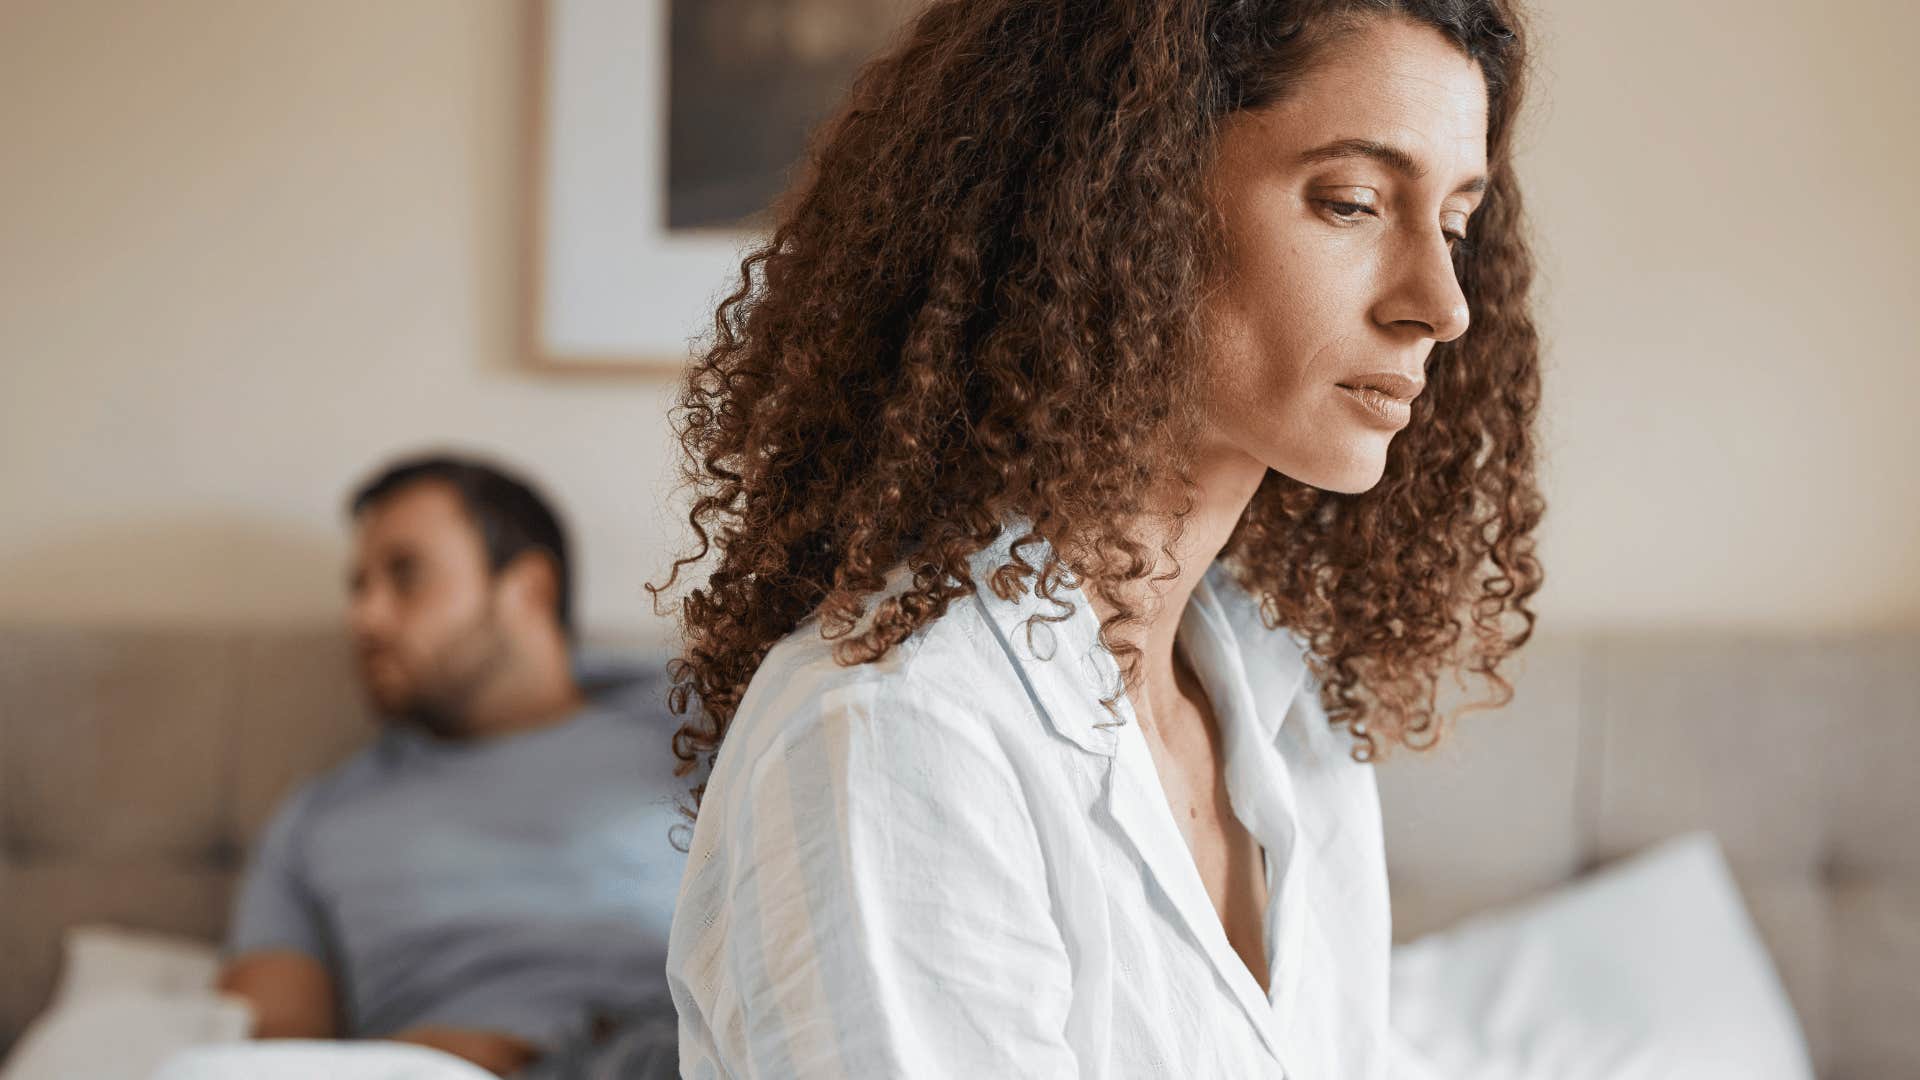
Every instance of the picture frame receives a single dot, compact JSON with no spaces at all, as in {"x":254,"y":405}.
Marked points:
{"x":609,"y":288}
{"x":662,"y":132}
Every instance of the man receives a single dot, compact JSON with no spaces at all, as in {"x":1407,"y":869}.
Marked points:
{"x":493,"y":877}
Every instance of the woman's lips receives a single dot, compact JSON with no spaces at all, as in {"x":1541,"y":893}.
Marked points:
{"x":1380,"y":409}
{"x":1391,"y":383}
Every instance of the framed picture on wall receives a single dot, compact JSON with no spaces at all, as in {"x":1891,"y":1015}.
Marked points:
{"x":661,"y":132}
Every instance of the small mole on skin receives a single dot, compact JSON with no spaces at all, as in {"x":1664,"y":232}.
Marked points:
{"x":1192,"y":813}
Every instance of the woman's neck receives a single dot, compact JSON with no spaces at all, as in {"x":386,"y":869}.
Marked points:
{"x":1226,"y":481}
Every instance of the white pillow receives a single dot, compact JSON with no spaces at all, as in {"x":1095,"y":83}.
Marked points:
{"x":127,"y":1000}
{"x":109,"y":959}
{"x":1648,"y":968}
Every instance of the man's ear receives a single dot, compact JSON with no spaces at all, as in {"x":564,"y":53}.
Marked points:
{"x":530,"y":583}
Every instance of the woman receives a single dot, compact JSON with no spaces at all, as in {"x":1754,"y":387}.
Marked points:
{"x":1098,"y":472}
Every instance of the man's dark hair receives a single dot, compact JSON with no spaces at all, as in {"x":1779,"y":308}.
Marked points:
{"x":509,"y":513}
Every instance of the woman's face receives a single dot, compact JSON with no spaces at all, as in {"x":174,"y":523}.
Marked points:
{"x":1338,"y":204}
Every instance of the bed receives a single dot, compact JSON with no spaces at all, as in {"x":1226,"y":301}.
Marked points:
{"x":137,"y":765}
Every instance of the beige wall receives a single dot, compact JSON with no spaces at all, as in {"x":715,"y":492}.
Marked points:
{"x":1727,"y":195}
{"x":250,"y":247}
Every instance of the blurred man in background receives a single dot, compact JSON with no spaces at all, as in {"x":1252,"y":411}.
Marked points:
{"x":493,"y":876}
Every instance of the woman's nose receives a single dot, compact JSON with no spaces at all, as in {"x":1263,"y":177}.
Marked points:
{"x":1427,"y":295}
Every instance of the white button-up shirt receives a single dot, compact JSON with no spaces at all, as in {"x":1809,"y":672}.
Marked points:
{"x":954,"y":862}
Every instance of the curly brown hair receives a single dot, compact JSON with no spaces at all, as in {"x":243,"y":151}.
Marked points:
{"x":979,"y":301}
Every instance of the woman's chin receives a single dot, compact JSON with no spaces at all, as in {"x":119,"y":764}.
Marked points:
{"x":1348,"y":475}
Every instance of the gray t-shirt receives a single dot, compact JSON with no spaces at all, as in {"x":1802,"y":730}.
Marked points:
{"x":522,"y":883}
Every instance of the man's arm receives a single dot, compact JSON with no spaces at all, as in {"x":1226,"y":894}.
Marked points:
{"x":277,"y":937}
{"x":496,"y":1052}
{"x":290,"y":992}
{"x":291,"y":995}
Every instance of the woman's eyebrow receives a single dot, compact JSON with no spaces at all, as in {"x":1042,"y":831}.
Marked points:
{"x":1386,"y":154}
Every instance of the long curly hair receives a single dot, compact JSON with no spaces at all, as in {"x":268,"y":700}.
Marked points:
{"x":979,"y":301}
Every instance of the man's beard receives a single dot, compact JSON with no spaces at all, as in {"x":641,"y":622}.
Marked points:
{"x":442,"y":699}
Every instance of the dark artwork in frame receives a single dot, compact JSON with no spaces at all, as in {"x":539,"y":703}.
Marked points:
{"x":748,"y":82}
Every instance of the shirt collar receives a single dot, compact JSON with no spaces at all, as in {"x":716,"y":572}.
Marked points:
{"x":1270,"y":662}
{"x":1068,"y":672}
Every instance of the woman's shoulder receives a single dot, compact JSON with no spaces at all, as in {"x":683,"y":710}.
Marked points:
{"x":947,"y":688}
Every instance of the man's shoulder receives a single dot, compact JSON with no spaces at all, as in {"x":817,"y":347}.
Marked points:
{"x":342,"y":781}
{"x":610,"y":745}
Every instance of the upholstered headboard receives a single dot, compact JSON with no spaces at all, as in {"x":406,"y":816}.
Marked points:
{"x":136,"y":766}
{"x":1796,"y":752}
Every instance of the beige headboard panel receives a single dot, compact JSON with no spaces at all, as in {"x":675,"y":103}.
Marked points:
{"x":137,"y":765}
{"x":135,"y":768}
{"x":1798,"y":753}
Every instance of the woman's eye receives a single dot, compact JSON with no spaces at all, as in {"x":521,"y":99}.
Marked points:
{"x":1345,"y":209}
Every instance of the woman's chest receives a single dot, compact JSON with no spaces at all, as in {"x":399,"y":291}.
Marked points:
{"x":1159,"y":975}
{"x":1227,"y":857}
{"x":1149,"y":989}
{"x":1160,"y":989}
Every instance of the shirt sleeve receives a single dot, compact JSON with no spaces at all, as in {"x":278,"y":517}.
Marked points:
{"x":276,"y":908}
{"x":889,"y":908}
